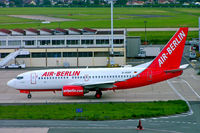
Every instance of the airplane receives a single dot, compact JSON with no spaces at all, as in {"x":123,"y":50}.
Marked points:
{"x":77,"y":82}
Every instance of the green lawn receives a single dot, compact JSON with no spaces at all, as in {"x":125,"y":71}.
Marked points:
{"x":94,"y":111}
{"x":100,"y":17}
{"x":161,"y":37}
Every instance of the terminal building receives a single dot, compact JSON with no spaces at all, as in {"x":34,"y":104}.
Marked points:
{"x":64,"y":47}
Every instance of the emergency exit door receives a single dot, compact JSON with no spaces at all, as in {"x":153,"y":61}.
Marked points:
{"x":149,"y":75}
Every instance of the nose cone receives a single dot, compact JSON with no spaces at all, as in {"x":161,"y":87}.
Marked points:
{"x":11,"y":83}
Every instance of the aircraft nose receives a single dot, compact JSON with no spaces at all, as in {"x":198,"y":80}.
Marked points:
{"x":11,"y":83}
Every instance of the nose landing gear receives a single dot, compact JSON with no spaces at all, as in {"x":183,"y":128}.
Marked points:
{"x":29,"y":96}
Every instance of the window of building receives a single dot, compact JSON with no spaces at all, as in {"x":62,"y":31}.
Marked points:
{"x":88,"y":42}
{"x":23,"y":56}
{"x":58,"y":42}
{"x":85,"y":54}
{"x":120,"y":53}
{"x":101,"y":54}
{"x":2,"y":55}
{"x":44,"y":42}
{"x":29,"y":42}
{"x":2,"y":43}
{"x":69,"y":54}
{"x":105,"y":41}
{"x":14,"y":43}
{"x":54,"y":54}
{"x":118,"y":41}
{"x":73,"y":42}
{"x":38,"y":55}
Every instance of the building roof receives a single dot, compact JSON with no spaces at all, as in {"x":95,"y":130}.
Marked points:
{"x":19,"y":31}
{"x":5,"y":31}
{"x":46,"y":30}
{"x":90,"y":30}
{"x":75,"y":30}
{"x":109,"y":32}
{"x":33,"y":30}
{"x":61,"y":30}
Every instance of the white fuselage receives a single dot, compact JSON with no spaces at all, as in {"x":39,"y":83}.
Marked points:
{"x":57,"y":78}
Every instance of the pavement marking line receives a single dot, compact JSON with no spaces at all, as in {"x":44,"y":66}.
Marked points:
{"x":194,"y":77}
{"x":168,"y":131}
{"x":174,"y":89}
{"x":191,"y":88}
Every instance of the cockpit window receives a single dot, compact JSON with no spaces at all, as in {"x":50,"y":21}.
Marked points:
{"x":20,"y":77}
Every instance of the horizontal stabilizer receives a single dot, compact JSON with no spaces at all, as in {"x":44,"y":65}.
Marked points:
{"x":182,"y":67}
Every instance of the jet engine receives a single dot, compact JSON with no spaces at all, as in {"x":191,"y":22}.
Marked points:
{"x":73,"y":90}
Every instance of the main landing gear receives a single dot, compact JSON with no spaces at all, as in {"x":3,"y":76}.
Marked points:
{"x":98,"y":94}
{"x":29,"y":96}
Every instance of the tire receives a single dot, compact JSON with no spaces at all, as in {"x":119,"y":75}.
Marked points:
{"x":29,"y":96}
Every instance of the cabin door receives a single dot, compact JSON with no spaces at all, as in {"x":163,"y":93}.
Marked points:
{"x":33,"y":78}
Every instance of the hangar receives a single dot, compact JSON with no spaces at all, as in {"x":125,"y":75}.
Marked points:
{"x":64,"y":47}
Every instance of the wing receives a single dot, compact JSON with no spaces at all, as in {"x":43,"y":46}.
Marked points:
{"x":102,"y":85}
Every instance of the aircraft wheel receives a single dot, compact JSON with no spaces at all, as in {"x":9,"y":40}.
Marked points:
{"x":98,"y":94}
{"x":29,"y":96}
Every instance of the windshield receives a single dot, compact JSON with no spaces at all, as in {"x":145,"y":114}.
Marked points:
{"x":20,"y":77}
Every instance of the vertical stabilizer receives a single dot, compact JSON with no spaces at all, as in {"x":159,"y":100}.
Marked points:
{"x":171,"y":55}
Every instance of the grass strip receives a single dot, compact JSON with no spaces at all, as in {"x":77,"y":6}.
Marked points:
{"x":160,"y":37}
{"x":94,"y":111}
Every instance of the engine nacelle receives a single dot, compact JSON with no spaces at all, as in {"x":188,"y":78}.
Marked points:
{"x":73,"y":90}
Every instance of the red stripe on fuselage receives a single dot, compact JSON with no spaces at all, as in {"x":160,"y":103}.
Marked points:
{"x":148,"y":76}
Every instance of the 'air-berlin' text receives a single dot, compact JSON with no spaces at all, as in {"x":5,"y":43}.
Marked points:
{"x":171,"y":48}
{"x":61,"y":73}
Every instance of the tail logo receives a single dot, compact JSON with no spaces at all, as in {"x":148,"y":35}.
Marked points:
{"x":170,"y":48}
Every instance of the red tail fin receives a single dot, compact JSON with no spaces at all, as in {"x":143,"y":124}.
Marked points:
{"x":171,"y":55}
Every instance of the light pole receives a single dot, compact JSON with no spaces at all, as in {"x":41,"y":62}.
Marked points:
{"x":199,"y":34}
{"x":145,"y":28}
{"x":112,"y":38}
